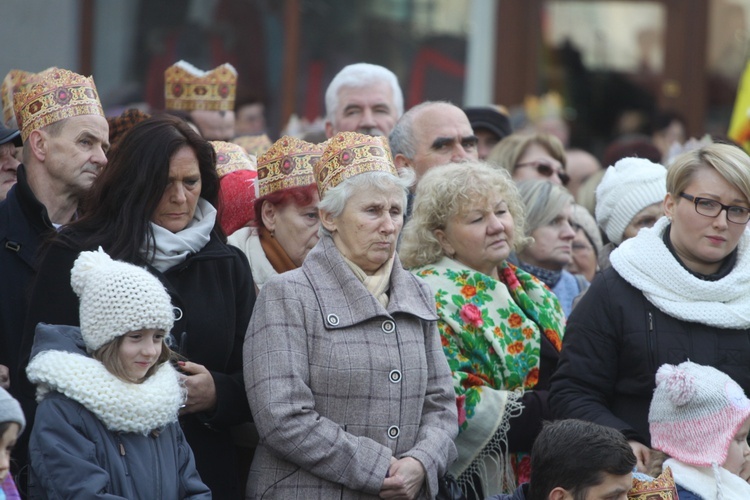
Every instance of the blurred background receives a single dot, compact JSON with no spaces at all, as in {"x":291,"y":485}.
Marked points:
{"x":598,"y":68}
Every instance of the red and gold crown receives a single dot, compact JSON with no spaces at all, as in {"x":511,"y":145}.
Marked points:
{"x":254,"y":144}
{"x":186,"y":88}
{"x":53,"y":95}
{"x":348,"y":154}
{"x":12,"y":83}
{"x":232,"y":157}
{"x":289,"y":163}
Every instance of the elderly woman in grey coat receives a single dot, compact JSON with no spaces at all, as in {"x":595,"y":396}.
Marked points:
{"x":344,"y":368}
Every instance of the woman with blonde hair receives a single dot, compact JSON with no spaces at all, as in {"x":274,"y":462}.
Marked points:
{"x":501,"y":328}
{"x":531,"y":156}
{"x":677,"y":291}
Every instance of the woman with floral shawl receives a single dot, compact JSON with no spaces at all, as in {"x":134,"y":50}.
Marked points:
{"x":501,"y":327}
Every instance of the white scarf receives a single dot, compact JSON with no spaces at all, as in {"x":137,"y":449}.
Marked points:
{"x":247,"y":240}
{"x":121,"y":406}
{"x":646,"y":263}
{"x":174,"y":248}
{"x":703,"y":481}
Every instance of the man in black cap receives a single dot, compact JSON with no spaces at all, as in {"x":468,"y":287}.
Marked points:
{"x":10,"y":139}
{"x":491,"y":125}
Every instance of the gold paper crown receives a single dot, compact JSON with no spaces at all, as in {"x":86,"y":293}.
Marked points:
{"x":53,"y":95}
{"x":348,"y":154}
{"x":231,"y":157}
{"x":549,"y":105}
{"x":186,"y":88}
{"x":12,"y":83}
{"x":289,"y":163}
{"x":254,"y":144}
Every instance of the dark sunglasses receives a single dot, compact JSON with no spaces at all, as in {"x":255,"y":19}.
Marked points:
{"x":547,"y":170}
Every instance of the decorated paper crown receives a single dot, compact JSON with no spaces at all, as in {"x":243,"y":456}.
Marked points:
{"x":348,"y":154}
{"x":289,"y":163}
{"x":186,"y":88}
{"x":12,"y":83}
{"x":231,"y":157}
{"x":254,"y":144}
{"x":53,"y":95}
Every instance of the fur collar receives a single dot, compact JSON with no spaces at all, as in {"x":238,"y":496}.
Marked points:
{"x":646,"y":263}
{"x":120,"y":405}
{"x":703,"y":481}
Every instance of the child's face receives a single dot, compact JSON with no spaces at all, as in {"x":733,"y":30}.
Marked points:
{"x":139,"y":351}
{"x":7,"y":442}
{"x":738,"y":450}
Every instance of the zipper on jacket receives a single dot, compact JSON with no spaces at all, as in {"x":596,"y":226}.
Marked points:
{"x":651,"y":339}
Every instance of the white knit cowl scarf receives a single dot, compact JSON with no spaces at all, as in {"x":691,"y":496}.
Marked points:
{"x":121,"y":406}
{"x":173,"y":248}
{"x":646,"y":263}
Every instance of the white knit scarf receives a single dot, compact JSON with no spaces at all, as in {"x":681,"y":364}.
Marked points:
{"x":174,"y":248}
{"x":709,"y":482}
{"x":247,"y":240}
{"x":121,"y":406}
{"x":646,"y":263}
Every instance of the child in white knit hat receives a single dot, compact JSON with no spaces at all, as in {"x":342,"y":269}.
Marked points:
{"x":700,"y":418}
{"x":106,"y":424}
{"x":12,"y":423}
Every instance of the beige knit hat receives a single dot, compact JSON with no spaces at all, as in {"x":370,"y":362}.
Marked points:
{"x":117,"y":298}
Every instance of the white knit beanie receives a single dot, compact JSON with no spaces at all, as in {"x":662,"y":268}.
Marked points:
{"x":117,"y":298}
{"x":628,"y":187}
{"x":695,"y":413}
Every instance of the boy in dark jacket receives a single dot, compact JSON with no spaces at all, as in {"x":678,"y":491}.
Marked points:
{"x":577,"y":459}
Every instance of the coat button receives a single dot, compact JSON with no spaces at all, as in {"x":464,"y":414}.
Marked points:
{"x":332,"y":319}
{"x":388,"y":326}
{"x":177,"y":313}
{"x":395,"y":376}
{"x":393,"y":431}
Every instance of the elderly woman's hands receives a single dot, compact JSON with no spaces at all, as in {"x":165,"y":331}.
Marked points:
{"x":201,"y":390}
{"x":405,"y":479}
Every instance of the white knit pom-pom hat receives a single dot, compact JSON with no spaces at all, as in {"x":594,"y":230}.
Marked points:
{"x":628,"y":187}
{"x":117,"y":298}
{"x":695,"y":413}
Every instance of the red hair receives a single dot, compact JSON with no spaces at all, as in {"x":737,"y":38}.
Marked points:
{"x":300,"y":196}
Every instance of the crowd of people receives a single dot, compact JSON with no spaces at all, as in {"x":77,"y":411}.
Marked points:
{"x":423,"y":304}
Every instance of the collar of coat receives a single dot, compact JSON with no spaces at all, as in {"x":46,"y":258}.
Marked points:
{"x":340,"y":293}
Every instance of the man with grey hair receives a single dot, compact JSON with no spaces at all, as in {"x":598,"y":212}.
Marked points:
{"x":430,"y":134}
{"x":364,"y":98}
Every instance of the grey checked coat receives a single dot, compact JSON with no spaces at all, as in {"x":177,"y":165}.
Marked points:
{"x":337,"y":384}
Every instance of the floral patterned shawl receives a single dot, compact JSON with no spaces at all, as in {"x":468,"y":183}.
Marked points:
{"x":491,"y":334}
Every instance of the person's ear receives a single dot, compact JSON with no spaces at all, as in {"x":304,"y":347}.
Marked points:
{"x":327,"y":220}
{"x":559,"y":494}
{"x":669,"y":205}
{"x":38,"y":143}
{"x":329,"y":129}
{"x":268,"y":215}
{"x":444,"y":243}
{"x":401,"y":161}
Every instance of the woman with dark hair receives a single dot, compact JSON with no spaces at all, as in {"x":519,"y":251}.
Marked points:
{"x":154,"y":206}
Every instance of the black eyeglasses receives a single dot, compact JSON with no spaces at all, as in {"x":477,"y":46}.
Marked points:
{"x":712,"y":208}
{"x":546,"y":169}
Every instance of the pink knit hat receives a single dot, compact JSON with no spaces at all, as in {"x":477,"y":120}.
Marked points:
{"x":695,"y":413}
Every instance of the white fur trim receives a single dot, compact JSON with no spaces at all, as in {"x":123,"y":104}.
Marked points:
{"x":120,"y":405}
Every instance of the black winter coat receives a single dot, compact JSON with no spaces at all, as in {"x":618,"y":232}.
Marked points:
{"x":215,"y":293}
{"x":615,"y":341}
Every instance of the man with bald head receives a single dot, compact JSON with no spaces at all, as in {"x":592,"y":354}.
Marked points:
{"x":430,"y":134}
{"x":364,"y":98}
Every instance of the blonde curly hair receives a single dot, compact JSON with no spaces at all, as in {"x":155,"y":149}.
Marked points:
{"x":449,"y":191}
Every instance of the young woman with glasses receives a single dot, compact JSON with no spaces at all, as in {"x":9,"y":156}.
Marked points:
{"x":675,"y":292}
